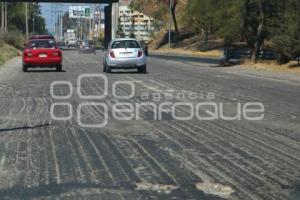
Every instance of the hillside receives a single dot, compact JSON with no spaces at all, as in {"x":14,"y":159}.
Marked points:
{"x":7,"y":52}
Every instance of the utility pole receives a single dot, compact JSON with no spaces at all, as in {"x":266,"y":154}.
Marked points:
{"x":61,"y":21}
{"x":81,"y":28}
{"x":26,"y":19}
{"x":33,"y":23}
{"x":52,"y":19}
{"x":5,"y":17}
{"x":61,"y":26}
{"x":93,"y":24}
{"x":58,"y":26}
{"x":2,"y":15}
{"x":90,"y":27}
{"x":56,"y":21}
{"x":170,"y":21}
{"x":99,"y":25}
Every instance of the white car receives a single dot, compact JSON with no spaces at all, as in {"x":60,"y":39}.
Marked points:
{"x":72,"y":43}
{"x":125,"y":54}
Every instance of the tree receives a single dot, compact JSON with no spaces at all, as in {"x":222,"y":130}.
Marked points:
{"x":287,"y":38}
{"x":266,"y":20}
{"x":17,"y":20}
{"x":39,"y":21}
{"x":230,"y":22}
{"x":260,"y":37}
{"x":173,"y":5}
{"x":206,"y":17}
{"x":68,"y":22}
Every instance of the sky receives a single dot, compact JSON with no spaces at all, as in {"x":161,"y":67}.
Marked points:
{"x":48,"y":11}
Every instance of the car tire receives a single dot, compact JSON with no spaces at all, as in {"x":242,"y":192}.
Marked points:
{"x":142,"y":69}
{"x":104,"y":67}
{"x":59,"y":68}
{"x":108,"y":69}
{"x":25,"y":68}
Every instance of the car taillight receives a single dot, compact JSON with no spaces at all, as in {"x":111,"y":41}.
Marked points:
{"x":140,"y":53}
{"x":28,"y":54}
{"x":112,"y":54}
{"x":56,"y":54}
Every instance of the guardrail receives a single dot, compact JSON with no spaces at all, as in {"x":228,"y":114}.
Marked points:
{"x":242,"y":53}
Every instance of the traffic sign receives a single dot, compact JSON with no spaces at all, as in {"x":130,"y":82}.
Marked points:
{"x":87,"y":12}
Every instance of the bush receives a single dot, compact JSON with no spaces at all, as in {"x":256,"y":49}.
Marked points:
{"x":287,"y":47}
{"x":14,"y":38}
{"x":7,"y":52}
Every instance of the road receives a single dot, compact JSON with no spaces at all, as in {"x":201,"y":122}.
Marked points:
{"x":43,"y":158}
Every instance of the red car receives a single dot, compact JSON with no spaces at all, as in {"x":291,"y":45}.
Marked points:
{"x":42,"y":51}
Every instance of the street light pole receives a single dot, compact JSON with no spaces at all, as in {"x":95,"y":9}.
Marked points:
{"x":26,"y":19}
{"x":61,"y":26}
{"x":5,"y":17}
{"x":2,"y":15}
{"x":99,"y":25}
{"x":170,"y":21}
{"x":93,"y":24}
{"x":33,"y":23}
{"x":81,"y":29}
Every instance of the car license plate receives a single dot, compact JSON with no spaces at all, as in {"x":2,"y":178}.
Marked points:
{"x":43,"y":55}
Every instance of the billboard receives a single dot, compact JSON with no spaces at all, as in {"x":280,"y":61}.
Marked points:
{"x":79,"y":12}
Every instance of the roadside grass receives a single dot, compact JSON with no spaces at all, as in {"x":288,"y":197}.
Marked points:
{"x":291,"y":67}
{"x":7,"y":52}
{"x":216,"y":53}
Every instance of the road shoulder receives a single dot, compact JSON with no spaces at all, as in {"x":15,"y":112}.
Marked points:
{"x":258,"y":71}
{"x":277,"y":75}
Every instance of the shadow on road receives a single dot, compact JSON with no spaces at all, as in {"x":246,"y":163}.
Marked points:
{"x":127,"y":72}
{"x":44,"y":71}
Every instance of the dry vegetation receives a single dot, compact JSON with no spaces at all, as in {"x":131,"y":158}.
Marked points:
{"x":7,"y":52}
{"x":212,"y":53}
{"x":292,"y":67}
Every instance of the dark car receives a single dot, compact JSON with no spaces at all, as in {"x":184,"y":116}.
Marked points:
{"x":87,"y":47}
{"x":61,"y":44}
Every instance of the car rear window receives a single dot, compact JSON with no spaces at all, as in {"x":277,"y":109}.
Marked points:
{"x":125,"y":44}
{"x":41,"y":44}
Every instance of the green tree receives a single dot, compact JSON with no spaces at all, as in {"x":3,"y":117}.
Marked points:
{"x":68,"y":22}
{"x":286,"y":38}
{"x":16,"y":17}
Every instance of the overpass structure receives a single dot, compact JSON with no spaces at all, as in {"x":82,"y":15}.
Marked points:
{"x":111,"y":13}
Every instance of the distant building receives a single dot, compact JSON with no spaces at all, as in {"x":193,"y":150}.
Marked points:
{"x":124,"y":2}
{"x":135,"y":22}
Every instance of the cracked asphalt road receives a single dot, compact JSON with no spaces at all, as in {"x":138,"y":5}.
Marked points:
{"x":41,"y":158}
